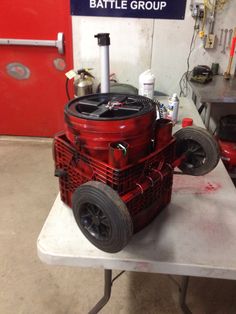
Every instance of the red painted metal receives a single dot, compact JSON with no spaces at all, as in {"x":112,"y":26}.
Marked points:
{"x":227,"y":141}
{"x":95,"y":138}
{"x":118,"y":156}
{"x":163,"y":132}
{"x":228,"y":153}
{"x":33,"y":106}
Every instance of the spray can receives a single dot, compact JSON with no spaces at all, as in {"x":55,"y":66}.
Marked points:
{"x":146,"y":84}
{"x":173,"y":108}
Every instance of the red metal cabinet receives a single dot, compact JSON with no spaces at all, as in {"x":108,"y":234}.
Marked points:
{"x":32,"y":80}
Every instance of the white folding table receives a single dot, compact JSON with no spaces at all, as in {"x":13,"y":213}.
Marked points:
{"x":195,"y":235}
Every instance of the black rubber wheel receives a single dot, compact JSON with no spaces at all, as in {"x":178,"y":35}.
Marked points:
{"x":102,"y":216}
{"x":200,"y":148}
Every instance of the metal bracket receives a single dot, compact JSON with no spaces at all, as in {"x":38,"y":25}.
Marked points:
{"x":58,"y":43}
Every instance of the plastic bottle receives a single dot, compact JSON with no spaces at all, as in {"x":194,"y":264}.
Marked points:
{"x":146,"y":84}
{"x":173,"y":108}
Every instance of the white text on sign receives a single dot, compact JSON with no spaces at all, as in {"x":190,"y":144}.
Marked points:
{"x":124,"y":5}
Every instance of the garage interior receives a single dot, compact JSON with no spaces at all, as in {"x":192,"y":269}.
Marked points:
{"x":29,"y":187}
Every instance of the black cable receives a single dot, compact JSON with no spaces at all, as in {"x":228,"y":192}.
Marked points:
{"x":216,"y":129}
{"x":67,"y":88}
{"x":191,"y":45}
{"x":183,"y":82}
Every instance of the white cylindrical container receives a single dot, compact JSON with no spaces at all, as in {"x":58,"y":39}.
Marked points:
{"x":173,"y":108}
{"x":146,"y":84}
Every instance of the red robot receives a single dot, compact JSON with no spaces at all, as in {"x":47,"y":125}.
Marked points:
{"x":115,"y":162}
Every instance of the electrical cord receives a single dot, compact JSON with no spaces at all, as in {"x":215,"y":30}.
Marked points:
{"x":183,"y":82}
{"x":183,"y":85}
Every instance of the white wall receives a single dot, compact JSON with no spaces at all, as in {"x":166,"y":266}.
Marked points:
{"x":130,"y":50}
{"x":171,"y":47}
{"x":138,"y":44}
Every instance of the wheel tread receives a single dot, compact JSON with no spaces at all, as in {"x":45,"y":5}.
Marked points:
{"x":118,"y":209}
{"x":207,"y":141}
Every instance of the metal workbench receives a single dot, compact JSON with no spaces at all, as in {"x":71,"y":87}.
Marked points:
{"x":218,"y":91}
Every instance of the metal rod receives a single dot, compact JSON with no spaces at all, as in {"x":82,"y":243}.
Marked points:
{"x":105,"y":69}
{"x":207,"y":115}
{"x":107,"y":292}
{"x":104,"y":43}
{"x":183,"y":294}
{"x":59,"y":43}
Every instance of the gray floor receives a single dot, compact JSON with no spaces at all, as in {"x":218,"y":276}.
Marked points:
{"x":27,"y":192}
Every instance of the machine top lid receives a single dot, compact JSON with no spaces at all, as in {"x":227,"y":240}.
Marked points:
{"x":109,"y":106}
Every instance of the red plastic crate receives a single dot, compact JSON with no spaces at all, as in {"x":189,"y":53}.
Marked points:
{"x":145,"y":187}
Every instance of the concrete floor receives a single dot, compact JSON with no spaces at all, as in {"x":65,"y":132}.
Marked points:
{"x":27,"y":286}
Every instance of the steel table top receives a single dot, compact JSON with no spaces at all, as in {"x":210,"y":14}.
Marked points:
{"x":218,"y":90}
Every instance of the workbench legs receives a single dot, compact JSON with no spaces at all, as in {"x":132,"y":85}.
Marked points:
{"x":183,"y":294}
{"x":207,"y":116}
{"x":206,"y":107}
{"x":207,"y":111}
{"x":107,"y":292}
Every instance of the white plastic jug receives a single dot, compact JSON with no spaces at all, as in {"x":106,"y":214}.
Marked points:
{"x":146,"y":84}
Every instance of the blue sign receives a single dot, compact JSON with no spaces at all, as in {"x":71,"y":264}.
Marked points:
{"x":168,"y":9}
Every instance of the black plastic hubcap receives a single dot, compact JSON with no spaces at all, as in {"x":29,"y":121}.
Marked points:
{"x":95,"y":222}
{"x":195,"y":154}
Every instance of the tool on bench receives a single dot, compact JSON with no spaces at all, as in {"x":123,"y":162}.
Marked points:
{"x":231,"y":56}
{"x":201,"y":74}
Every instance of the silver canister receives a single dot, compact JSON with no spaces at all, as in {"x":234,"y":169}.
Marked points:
{"x":83,"y":85}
